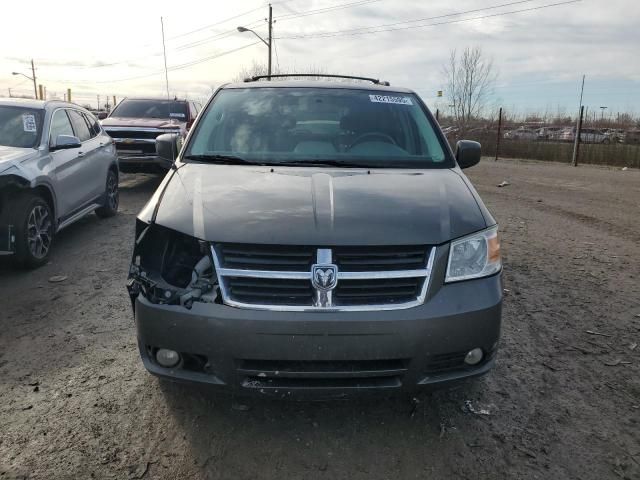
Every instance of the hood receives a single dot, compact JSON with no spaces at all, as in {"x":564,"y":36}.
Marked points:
{"x":140,"y":122}
{"x":11,"y":155}
{"x":318,"y":206}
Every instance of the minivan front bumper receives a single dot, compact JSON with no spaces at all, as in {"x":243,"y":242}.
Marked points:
{"x":326,"y":354}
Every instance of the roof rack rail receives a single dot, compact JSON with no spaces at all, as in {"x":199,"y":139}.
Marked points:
{"x":375,"y":81}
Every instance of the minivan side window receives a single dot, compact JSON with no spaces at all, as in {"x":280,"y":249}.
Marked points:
{"x":60,"y":125}
{"x":79,"y":125}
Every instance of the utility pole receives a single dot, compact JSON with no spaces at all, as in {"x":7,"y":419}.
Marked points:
{"x":9,"y":92}
{"x":268,"y":42}
{"x":498,"y":137}
{"x":576,"y":141}
{"x":98,"y":102}
{"x":33,"y":71}
{"x":164,"y":51}
{"x":270,"y":36}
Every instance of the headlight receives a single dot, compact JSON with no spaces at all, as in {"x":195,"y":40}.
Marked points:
{"x":475,"y":256}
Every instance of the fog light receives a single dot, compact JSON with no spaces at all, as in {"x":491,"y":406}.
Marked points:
{"x":167,"y":358}
{"x":474,"y":356}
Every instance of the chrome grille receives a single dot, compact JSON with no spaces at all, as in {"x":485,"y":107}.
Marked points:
{"x":388,"y":290}
{"x":275,"y":277}
{"x":252,"y":290}
{"x":134,"y":133}
{"x":269,"y":257}
{"x":358,"y":259}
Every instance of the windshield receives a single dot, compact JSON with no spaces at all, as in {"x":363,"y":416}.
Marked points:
{"x":304,"y":125}
{"x":151,"y":109}
{"x":20,"y":127}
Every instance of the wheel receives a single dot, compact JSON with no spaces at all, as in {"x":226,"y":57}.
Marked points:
{"x":34,"y":228}
{"x":112,"y":197}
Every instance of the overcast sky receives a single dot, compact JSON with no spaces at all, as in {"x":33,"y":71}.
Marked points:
{"x":540,"y":55}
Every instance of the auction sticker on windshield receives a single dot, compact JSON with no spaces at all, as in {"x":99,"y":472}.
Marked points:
{"x":390,"y":99}
{"x":29,"y":123}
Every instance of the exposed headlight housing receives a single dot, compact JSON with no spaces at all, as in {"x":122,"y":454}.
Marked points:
{"x":474,"y":256}
{"x":171,"y":268}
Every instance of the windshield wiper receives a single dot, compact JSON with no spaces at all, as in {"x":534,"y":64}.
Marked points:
{"x":222,"y":159}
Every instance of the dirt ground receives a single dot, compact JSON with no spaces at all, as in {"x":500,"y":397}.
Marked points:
{"x":563,"y":400}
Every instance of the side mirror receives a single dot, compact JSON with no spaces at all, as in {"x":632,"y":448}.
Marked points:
{"x":65,"y":142}
{"x":168,"y":146}
{"x":102,"y":115}
{"x":467,"y":153}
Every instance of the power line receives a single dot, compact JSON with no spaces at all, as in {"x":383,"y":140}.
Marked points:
{"x":317,"y":11}
{"x":226,"y":33}
{"x":181,"y":66}
{"x":213,"y":57}
{"x":221,"y":35}
{"x":289,"y":16}
{"x":275,"y":47}
{"x":379,"y":29}
{"x":455,"y":14}
{"x":218,"y":36}
{"x":216,"y":23}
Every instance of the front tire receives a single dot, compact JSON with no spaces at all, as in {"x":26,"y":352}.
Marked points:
{"x":34,"y":227}
{"x":112,"y":197}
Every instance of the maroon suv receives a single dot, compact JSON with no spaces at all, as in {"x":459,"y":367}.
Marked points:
{"x":136,"y":122}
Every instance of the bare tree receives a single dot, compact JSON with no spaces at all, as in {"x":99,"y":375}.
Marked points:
{"x":257,"y":69}
{"x":254,"y":70}
{"x":470,"y":78}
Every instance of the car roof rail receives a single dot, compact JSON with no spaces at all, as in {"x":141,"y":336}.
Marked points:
{"x":375,"y":81}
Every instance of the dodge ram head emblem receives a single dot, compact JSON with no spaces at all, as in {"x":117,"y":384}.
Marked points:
{"x":324,"y":277}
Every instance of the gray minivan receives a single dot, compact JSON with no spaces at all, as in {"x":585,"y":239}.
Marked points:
{"x":316,"y":237}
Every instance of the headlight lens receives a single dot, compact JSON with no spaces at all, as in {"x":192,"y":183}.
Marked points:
{"x":475,"y":256}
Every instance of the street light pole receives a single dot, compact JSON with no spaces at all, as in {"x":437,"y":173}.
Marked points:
{"x":267,"y":43}
{"x":602,"y":115}
{"x":33,"y":78}
{"x":33,"y":71}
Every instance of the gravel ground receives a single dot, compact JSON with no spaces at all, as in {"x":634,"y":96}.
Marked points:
{"x":563,"y":400}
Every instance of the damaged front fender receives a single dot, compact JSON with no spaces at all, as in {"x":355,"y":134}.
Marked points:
{"x":10,"y":183}
{"x":171,"y":268}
